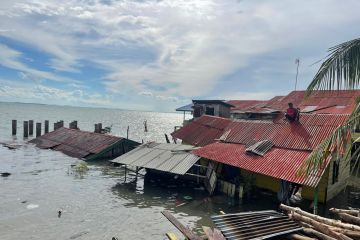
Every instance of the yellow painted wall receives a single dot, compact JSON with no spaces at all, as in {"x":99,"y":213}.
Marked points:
{"x":273,"y":184}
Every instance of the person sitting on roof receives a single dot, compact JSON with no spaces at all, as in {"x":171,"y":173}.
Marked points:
{"x":292,"y":114}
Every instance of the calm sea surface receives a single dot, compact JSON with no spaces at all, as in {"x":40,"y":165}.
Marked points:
{"x":97,"y":204}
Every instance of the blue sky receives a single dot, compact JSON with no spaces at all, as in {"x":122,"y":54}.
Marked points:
{"x":158,"y":55}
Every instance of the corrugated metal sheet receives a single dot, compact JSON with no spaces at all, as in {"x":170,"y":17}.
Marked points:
{"x":337,"y":102}
{"x":311,"y":130}
{"x":74,"y":142}
{"x":255,"y":225}
{"x":307,"y":134}
{"x":277,"y":162}
{"x":244,"y":105}
{"x":174,"y":158}
{"x":202,"y":131}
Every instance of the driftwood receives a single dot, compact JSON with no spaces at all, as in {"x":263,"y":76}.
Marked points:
{"x":323,"y":220}
{"x":349,"y":218}
{"x":323,"y":228}
{"x":355,"y":213}
{"x":319,"y":235}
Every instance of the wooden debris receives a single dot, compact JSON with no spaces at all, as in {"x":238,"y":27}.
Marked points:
{"x":355,"y":213}
{"x":171,"y":236}
{"x":295,"y":236}
{"x":216,"y":234}
{"x":321,"y":227}
{"x":319,"y":235}
{"x":349,"y":218}
{"x":323,"y":220}
{"x":183,"y":229}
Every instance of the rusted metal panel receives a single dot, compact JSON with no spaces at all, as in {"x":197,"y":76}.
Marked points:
{"x":76,"y":143}
{"x":202,"y":131}
{"x":277,"y":162}
{"x":255,"y":225}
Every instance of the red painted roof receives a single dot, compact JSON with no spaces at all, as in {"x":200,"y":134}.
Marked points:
{"x":202,"y":131}
{"x":278,"y":163}
{"x":306,"y":134}
{"x":340,"y":102}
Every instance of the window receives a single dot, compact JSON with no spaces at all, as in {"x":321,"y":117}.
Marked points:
{"x":210,"y":111}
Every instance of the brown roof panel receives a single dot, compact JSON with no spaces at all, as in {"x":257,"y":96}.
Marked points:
{"x":74,"y":142}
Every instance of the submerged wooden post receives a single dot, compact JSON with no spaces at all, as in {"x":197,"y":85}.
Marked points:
{"x":26,"y":129}
{"x":167,"y":138}
{"x":38,"y":129}
{"x":31,"y":127}
{"x":55,"y":125}
{"x":61,"y":123}
{"x":99,"y":127}
{"x":127,"y":132}
{"x":145,"y":126}
{"x":46,"y":126}
{"x":14,"y":123}
{"x":96,"y":128}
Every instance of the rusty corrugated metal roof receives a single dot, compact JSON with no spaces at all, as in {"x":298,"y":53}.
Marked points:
{"x":75,"y":143}
{"x":202,"y":131}
{"x":277,"y":162}
{"x":306,"y":134}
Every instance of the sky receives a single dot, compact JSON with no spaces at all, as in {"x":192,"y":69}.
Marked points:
{"x":157,"y":55}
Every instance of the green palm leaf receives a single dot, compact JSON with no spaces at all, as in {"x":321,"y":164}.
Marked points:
{"x":341,"y":70}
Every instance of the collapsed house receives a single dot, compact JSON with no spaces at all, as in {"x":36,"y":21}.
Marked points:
{"x":265,"y":149}
{"x":84,"y":145}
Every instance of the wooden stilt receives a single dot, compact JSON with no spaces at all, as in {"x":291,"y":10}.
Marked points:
{"x":26,"y":129}
{"x":46,"y":126}
{"x":38,"y":129}
{"x":14,"y":127}
{"x":31,"y":127}
{"x":127,"y":132}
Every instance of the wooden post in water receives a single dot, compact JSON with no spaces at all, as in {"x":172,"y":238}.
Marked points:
{"x":14,"y":123}
{"x":46,"y":126}
{"x":99,"y":127}
{"x":145,"y":126}
{"x":127,"y":132}
{"x":96,"y":128}
{"x":61,"y":123}
{"x":55,"y":126}
{"x":26,"y":129}
{"x":38,"y":129}
{"x":167,"y":138}
{"x":31,"y":127}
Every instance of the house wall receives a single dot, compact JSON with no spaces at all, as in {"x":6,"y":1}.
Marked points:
{"x":342,"y":179}
{"x":219,"y":110}
{"x":273,"y":184}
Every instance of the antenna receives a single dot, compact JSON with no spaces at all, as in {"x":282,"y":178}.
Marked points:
{"x":297,"y":61}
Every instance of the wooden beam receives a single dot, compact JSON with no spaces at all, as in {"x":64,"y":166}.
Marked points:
{"x":183,"y":229}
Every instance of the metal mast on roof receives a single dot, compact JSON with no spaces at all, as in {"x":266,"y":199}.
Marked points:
{"x":297,"y":61}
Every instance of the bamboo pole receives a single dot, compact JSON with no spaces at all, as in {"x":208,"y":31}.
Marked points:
{"x":319,"y":226}
{"x":355,"y":213}
{"x":327,"y":221}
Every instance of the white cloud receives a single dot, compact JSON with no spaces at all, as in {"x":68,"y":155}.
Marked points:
{"x":12,"y":59}
{"x":182,"y":48}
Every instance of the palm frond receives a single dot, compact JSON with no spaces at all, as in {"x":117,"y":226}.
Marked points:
{"x":337,"y":142}
{"x":341,"y":69}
